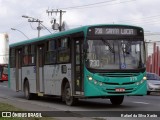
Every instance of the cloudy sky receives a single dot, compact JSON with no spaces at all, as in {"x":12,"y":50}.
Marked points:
{"x":144,"y":13}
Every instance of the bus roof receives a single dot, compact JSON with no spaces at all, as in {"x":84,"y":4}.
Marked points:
{"x":63,"y":33}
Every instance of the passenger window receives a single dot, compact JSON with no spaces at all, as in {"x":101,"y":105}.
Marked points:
{"x":50,"y":56}
{"x":12,"y":58}
{"x":29,"y":55}
{"x":63,"y":50}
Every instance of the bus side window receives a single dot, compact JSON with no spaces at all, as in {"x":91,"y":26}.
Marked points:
{"x":25,"y":56}
{"x":32,"y":55}
{"x":77,"y":52}
{"x":29,"y":55}
{"x":12,"y":58}
{"x":50,"y":54}
{"x":63,"y":50}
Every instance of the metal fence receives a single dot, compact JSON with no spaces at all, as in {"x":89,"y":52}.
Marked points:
{"x":153,"y":57}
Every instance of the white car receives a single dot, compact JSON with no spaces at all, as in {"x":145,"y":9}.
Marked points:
{"x":153,"y":83}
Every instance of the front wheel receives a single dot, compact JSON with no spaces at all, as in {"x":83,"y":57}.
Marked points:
{"x":70,"y":100}
{"x":116,"y":100}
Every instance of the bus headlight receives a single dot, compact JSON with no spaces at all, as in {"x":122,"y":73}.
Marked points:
{"x":90,"y":78}
{"x":95,"y":82}
{"x":140,"y":82}
{"x":144,"y":78}
{"x":100,"y":83}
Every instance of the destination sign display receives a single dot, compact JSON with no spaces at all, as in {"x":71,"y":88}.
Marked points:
{"x":114,"y":31}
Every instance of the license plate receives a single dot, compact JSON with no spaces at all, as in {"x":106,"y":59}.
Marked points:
{"x":119,"y":89}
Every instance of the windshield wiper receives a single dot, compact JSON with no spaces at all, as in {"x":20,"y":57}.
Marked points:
{"x":108,"y":44}
{"x":126,"y":49}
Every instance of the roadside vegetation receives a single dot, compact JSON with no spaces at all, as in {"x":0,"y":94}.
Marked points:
{"x":6,"y":107}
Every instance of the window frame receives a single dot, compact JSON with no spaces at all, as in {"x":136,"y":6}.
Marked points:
{"x":62,"y":48}
{"x":12,"y":57}
{"x":29,"y":56}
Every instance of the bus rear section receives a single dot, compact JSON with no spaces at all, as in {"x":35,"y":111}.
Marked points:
{"x":3,"y":73}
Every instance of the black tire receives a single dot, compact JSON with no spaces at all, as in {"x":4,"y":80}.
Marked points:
{"x":69,"y":100}
{"x":148,"y":92}
{"x":27,"y":93}
{"x":117,"y":100}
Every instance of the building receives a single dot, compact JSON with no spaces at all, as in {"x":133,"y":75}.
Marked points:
{"x":4,"y":48}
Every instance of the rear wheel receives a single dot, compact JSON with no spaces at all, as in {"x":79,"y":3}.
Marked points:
{"x":27,"y":93}
{"x":69,"y":100}
{"x":116,"y":100}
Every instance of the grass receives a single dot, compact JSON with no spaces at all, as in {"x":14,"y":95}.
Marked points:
{"x":6,"y":107}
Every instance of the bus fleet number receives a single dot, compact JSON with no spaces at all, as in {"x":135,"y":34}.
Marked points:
{"x":94,"y":63}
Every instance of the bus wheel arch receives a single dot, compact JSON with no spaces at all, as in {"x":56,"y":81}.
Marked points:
{"x":66,"y":93}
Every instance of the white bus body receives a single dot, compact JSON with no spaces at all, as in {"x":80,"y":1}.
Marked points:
{"x":50,"y":73}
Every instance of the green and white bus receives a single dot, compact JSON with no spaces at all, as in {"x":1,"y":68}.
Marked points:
{"x":94,"y":61}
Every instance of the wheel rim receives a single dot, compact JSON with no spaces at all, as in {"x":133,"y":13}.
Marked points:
{"x":68,"y":95}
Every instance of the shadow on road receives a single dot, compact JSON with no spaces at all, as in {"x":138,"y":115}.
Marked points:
{"x":94,"y":104}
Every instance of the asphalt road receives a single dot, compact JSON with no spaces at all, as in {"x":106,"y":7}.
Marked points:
{"x":86,"y":108}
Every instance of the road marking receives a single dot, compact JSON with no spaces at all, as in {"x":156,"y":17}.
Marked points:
{"x":141,"y":102}
{"x":3,"y":86}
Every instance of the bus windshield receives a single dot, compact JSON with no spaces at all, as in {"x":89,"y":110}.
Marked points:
{"x":115,"y":54}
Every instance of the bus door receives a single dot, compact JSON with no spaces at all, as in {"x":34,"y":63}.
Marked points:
{"x":18,"y":69}
{"x":78,"y":67}
{"x":39,"y":68}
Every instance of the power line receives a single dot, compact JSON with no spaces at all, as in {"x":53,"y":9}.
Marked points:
{"x":46,"y":28}
{"x":79,"y":6}
{"x":32,"y":26}
{"x":147,"y":23}
{"x":149,"y":20}
{"x":96,"y":4}
{"x":152,"y":34}
{"x":148,"y":17}
{"x":155,"y":17}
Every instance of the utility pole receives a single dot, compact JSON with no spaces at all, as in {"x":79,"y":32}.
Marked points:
{"x":31,"y":19}
{"x":39,"y":25}
{"x":61,"y":13}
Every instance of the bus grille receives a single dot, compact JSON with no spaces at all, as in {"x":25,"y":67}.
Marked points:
{"x":129,"y":83}
{"x":119,"y":74}
{"x":118,"y":92}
